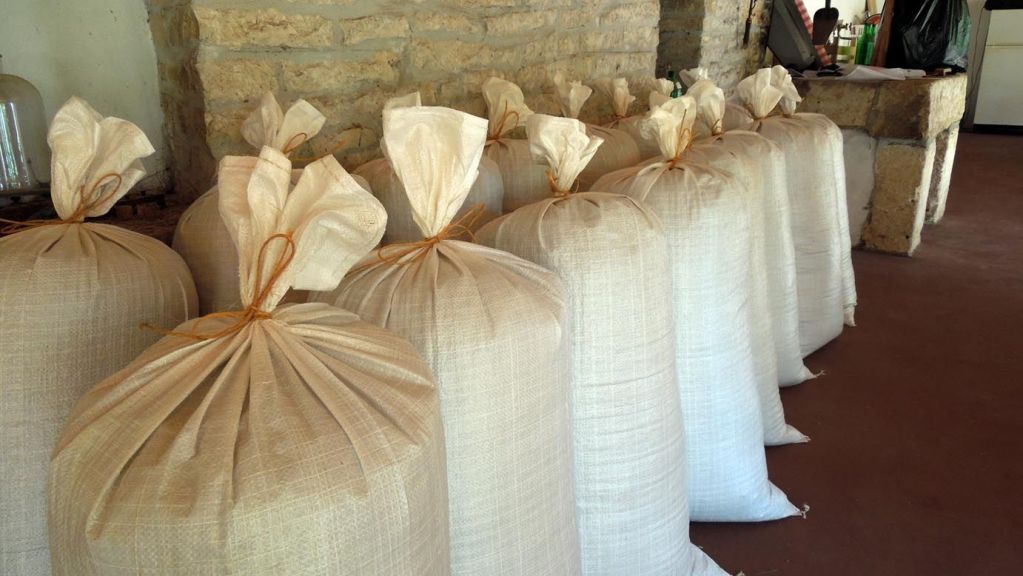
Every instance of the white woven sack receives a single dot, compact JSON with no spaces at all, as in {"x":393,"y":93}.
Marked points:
{"x":506,"y":111}
{"x":618,"y":151}
{"x":278,"y":440}
{"x":790,"y":98}
{"x":752,"y":289}
{"x":72,"y":296}
{"x":816,"y":196}
{"x":629,"y":449}
{"x":200,"y":236}
{"x":761,"y":166}
{"x":706,"y":219}
{"x":487,"y":190}
{"x":495,"y":330}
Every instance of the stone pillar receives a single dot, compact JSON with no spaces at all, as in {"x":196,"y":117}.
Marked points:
{"x":709,"y":33}
{"x":902,"y":179}
{"x":944,"y":156}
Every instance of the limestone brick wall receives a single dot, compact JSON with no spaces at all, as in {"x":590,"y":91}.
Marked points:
{"x":348,"y":56}
{"x":709,"y":33}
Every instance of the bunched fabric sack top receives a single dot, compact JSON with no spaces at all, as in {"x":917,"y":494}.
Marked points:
{"x":487,"y":190}
{"x":617,"y":91}
{"x":495,"y":330}
{"x":815,"y":170}
{"x":506,"y":111}
{"x":72,"y":296}
{"x":618,"y":151}
{"x":201,"y":237}
{"x":705,"y":214}
{"x":761,"y":166}
{"x":290,"y":439}
{"x":611,"y":252}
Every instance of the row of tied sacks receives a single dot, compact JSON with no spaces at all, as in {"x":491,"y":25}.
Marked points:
{"x":561,"y":395}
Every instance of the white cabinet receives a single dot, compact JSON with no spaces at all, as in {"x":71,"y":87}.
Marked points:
{"x":1000,"y":93}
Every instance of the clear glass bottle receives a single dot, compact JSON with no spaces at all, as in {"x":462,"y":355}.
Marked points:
{"x":24,"y":155}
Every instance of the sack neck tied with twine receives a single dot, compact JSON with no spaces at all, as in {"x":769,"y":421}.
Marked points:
{"x":571,"y":95}
{"x":269,"y":125}
{"x":710,"y":105}
{"x":306,"y":239}
{"x":563,"y":145}
{"x":95,"y":161}
{"x":617,"y":91}
{"x":671,"y":126}
{"x":782,"y":80}
{"x":435,"y":153}
{"x":506,"y":107}
{"x":757,"y":95}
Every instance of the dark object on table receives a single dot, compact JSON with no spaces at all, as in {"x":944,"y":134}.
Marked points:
{"x":929,"y":34}
{"x":824,"y":22}
{"x":749,"y":23}
{"x":1003,"y":5}
{"x":788,"y":38}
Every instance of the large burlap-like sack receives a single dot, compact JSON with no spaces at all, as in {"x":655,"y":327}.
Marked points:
{"x":274,"y":440}
{"x":495,"y":330}
{"x":706,"y":219}
{"x":520,"y":174}
{"x":813,"y":152}
{"x":201,"y":238}
{"x":618,"y":151}
{"x":72,"y":296}
{"x":761,"y":166}
{"x":630,"y":463}
{"x":487,"y":190}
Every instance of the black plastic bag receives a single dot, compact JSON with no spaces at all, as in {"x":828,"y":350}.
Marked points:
{"x":930,"y":34}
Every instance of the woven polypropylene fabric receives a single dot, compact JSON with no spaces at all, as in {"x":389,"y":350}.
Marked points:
{"x":749,"y":318}
{"x":632,"y":126}
{"x":817,"y":234}
{"x":523,"y":177}
{"x":761,"y":166}
{"x":618,"y":151}
{"x":203,"y":242}
{"x":627,"y":420}
{"x":706,"y":219}
{"x":306,"y":443}
{"x":73,"y":296}
{"x":494,"y":329}
{"x":385,"y":185}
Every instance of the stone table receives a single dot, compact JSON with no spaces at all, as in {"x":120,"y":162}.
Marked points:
{"x":905,"y":131}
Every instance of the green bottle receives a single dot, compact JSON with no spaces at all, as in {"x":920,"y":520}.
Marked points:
{"x":675,"y":92}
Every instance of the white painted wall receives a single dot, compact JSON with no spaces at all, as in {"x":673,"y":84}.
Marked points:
{"x":846,"y":8}
{"x":99,"y":50}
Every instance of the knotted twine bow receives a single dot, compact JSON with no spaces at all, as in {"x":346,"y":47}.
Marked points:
{"x":84,"y":207}
{"x":395,"y":254}
{"x":255,"y":310}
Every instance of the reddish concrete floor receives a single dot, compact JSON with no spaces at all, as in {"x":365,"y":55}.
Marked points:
{"x":916,"y":463}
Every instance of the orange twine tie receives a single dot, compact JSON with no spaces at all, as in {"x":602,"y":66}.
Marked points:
{"x":291,"y":145}
{"x":682,"y":134}
{"x":77,"y":216}
{"x":496,"y":134}
{"x":395,"y":254}
{"x":254,"y":311}
{"x":552,"y":183}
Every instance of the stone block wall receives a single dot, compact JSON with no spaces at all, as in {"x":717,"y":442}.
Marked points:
{"x":217,"y":57}
{"x":709,"y":33}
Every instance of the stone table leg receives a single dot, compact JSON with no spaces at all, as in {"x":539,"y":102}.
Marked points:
{"x":902,"y":181}
{"x":945,"y":153}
